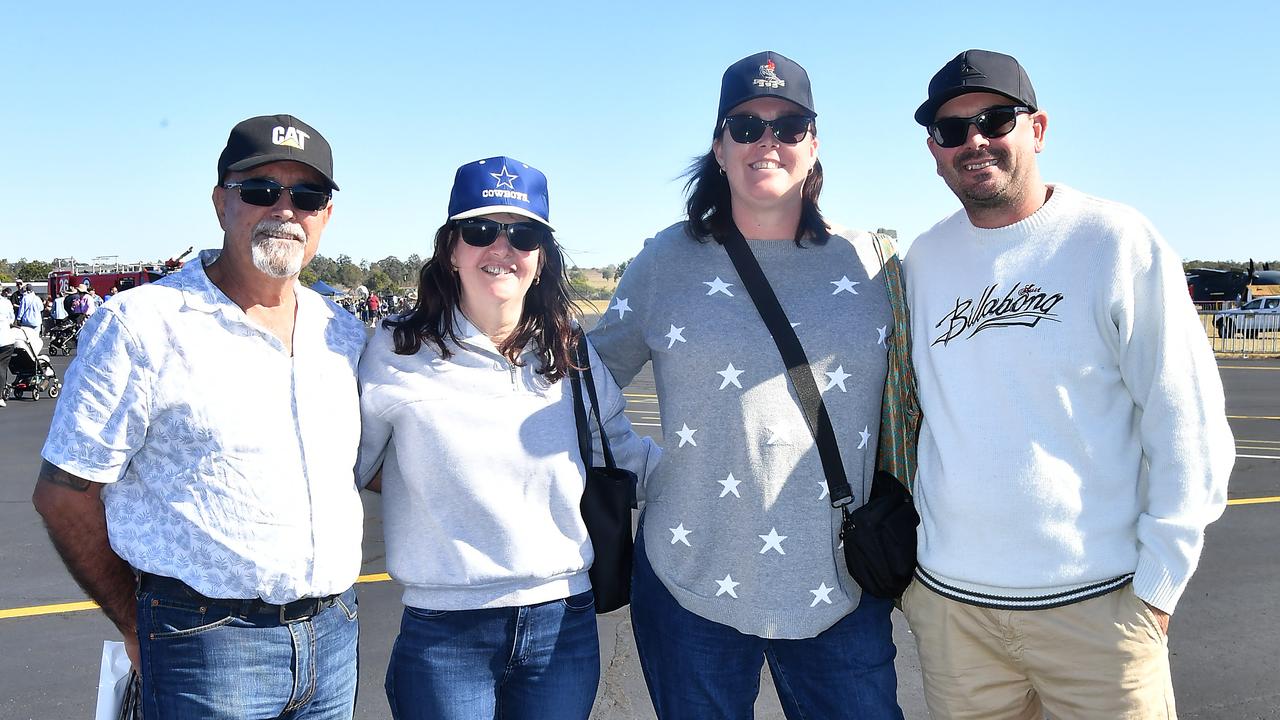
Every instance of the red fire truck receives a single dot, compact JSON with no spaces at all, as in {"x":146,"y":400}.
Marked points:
{"x":105,"y":273}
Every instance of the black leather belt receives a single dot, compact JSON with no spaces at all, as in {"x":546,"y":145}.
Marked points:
{"x":290,"y":612}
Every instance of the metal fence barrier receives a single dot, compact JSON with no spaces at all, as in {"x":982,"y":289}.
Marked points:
{"x":1229,"y":336}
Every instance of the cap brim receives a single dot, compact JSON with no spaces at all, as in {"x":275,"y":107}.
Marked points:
{"x":259,"y":160}
{"x":780,"y":96}
{"x":495,"y":209}
{"x":929,"y":110}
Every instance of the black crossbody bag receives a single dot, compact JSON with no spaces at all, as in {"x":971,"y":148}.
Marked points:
{"x":880,"y":536}
{"x":606,"y":500}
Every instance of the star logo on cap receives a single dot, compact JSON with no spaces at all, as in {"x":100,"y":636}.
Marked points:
{"x":968,"y":70}
{"x":504,"y":179}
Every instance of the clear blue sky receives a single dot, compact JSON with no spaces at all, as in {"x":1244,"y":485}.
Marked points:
{"x":114,"y":113}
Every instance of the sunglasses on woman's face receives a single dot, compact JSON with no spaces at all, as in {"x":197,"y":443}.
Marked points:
{"x":991,"y":123}
{"x":524,"y":236}
{"x":788,"y":129}
{"x":265,"y":192}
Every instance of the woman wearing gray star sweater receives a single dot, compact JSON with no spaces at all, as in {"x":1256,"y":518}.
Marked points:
{"x":737,"y":559}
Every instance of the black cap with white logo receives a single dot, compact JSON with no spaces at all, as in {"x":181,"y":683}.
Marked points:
{"x":977,"y":71}
{"x":765,"y":74}
{"x":272,"y":138}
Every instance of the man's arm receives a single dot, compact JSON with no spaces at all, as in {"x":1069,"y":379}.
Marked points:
{"x":77,"y":523}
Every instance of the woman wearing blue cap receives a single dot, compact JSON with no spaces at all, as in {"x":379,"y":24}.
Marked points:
{"x":738,"y":560}
{"x":469,"y":433}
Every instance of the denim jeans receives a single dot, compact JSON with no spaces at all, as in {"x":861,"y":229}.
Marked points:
{"x":207,"y":661}
{"x":540,"y":662}
{"x":702,"y":670}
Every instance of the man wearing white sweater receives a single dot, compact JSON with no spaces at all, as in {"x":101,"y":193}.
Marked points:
{"x":1074,"y":443}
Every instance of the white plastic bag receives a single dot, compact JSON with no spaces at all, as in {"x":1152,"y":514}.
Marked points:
{"x":113,"y":680}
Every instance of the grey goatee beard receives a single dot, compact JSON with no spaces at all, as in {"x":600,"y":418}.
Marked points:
{"x":278,"y":248}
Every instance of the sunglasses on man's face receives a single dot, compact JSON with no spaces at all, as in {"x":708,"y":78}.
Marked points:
{"x":991,"y":123}
{"x":789,"y":129}
{"x":264,"y":192}
{"x":524,"y":236}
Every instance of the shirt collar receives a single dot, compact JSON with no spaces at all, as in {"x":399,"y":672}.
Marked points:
{"x":201,"y":294}
{"x":470,"y":334}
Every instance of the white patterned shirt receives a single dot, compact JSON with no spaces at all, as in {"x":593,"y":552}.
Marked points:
{"x":229,"y":464}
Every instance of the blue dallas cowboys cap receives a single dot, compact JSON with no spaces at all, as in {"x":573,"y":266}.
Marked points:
{"x":497,"y":185}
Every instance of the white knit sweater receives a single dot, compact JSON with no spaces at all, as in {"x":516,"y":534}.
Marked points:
{"x":1074,"y":424}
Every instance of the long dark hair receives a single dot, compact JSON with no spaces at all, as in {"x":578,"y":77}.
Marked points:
{"x":710,"y":203}
{"x":547,"y":317}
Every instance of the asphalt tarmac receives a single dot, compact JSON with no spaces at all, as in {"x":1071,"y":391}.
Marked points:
{"x":1224,"y":639}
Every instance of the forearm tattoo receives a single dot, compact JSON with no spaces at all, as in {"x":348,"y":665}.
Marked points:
{"x":54,"y":475}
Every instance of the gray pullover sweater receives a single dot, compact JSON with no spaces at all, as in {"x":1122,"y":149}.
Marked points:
{"x":738,"y":523}
{"x":481,"y":474}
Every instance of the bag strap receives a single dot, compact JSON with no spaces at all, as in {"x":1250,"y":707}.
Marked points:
{"x":793,"y":356}
{"x":583,"y":358}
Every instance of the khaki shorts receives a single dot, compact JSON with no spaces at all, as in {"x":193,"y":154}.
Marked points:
{"x":1103,"y":658}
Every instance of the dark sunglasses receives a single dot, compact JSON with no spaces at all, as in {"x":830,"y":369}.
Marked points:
{"x":789,"y":129}
{"x":265,"y":193}
{"x":523,"y":236}
{"x":991,"y":123}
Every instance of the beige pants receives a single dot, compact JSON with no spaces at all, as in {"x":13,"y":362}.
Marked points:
{"x":1104,"y":658}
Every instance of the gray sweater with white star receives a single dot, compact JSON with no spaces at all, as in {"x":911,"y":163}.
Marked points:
{"x":737,"y":521}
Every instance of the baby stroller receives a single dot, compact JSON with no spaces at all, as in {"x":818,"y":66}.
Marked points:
{"x":62,"y":336}
{"x":32,"y":372}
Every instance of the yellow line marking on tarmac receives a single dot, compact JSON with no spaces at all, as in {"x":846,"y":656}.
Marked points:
{"x":47,"y":609}
{"x":1246,"y":367}
{"x":1253,"y":501}
{"x":1259,"y":457}
{"x":1253,"y":417}
{"x":640,"y":395}
{"x":36,"y":610}
{"x":640,"y":424}
{"x":1257,"y":442}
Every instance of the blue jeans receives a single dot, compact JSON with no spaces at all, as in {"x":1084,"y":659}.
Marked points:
{"x":702,"y":670}
{"x":540,"y":662}
{"x":212,"y":662}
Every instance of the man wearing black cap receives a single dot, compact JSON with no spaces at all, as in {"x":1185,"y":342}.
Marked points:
{"x":1074,"y":443}
{"x":223,"y":544}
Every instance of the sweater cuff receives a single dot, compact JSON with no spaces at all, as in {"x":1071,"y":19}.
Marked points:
{"x":1153,"y":584}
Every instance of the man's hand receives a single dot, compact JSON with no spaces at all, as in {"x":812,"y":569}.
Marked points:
{"x":77,"y":523}
{"x":1162,"y":617}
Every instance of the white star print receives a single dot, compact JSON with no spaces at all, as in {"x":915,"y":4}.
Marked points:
{"x":865,"y":437}
{"x":772,"y":541}
{"x":795,"y":325}
{"x":775,"y":436}
{"x":680,"y":534}
{"x":726,"y":586}
{"x":843,"y":284}
{"x":686,"y":435}
{"x":718,"y":286}
{"x":622,"y":306}
{"x":884,"y":333}
{"x":837,"y":378}
{"x":730,"y":375}
{"x":504,"y":179}
{"x":821,"y":594}
{"x":730,"y":486}
{"x":823,"y":484}
{"x":674,"y":335}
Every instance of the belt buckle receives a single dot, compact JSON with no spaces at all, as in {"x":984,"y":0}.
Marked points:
{"x":309,"y":608}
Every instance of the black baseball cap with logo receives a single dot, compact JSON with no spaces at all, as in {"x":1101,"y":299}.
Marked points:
{"x":977,"y":71}
{"x":271,"y":138}
{"x":765,"y":74}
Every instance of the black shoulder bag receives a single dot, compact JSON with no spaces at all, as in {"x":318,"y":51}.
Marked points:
{"x":880,"y":536}
{"x":606,"y":499}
